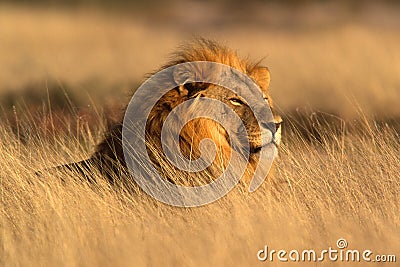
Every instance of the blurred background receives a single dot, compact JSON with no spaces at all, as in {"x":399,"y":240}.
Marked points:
{"x":82,"y":58}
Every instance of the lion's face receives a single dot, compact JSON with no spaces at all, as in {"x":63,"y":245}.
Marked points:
{"x":257,"y":136}
{"x":194,"y":131}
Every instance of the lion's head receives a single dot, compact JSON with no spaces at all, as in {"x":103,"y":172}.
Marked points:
{"x":109,"y":155}
{"x":199,"y":129}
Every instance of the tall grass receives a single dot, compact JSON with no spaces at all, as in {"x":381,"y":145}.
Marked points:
{"x":332,"y":180}
{"x":344,"y":186}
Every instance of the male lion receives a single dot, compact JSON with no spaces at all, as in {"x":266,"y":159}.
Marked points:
{"x":109,"y":156}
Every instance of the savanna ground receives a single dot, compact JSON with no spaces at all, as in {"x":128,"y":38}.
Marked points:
{"x":66,"y":72}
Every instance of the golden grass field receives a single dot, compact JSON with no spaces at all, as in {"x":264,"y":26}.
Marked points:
{"x":330,"y":182}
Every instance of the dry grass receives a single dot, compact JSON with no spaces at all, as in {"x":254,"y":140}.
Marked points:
{"x":348,"y":187}
{"x":330,"y":185}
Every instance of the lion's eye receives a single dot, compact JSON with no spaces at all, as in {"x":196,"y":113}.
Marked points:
{"x":236,"y":101}
{"x":265,"y":99}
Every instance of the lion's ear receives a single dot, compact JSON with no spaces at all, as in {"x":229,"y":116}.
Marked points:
{"x":182,"y":77}
{"x":262,"y":77}
{"x":182,"y":74}
{"x":187,"y":78}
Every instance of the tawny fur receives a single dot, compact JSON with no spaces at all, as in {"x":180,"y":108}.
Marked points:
{"x":109,"y":157}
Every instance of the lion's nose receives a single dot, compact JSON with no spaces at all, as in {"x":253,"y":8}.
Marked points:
{"x":278,"y":125}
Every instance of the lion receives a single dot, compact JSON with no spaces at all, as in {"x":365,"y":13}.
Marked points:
{"x":109,"y":156}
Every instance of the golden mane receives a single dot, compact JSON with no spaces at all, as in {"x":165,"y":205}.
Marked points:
{"x":109,"y":157}
{"x":208,"y":50}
